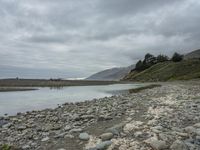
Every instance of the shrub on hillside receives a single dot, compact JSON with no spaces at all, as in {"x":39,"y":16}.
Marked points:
{"x":139,"y":66}
{"x":162,"y":58}
{"x":177,"y":57}
{"x":149,"y":60}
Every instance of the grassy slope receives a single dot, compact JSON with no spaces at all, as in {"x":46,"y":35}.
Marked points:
{"x":166,"y":71}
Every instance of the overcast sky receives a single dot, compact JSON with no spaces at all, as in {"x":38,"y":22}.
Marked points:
{"x":76,"y":38}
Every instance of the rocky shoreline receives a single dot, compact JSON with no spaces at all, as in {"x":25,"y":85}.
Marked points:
{"x":166,"y":117}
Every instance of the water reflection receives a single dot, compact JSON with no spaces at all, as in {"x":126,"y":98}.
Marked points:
{"x":13,"y":102}
{"x":56,"y":87}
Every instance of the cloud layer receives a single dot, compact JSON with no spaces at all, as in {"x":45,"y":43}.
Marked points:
{"x":77,"y":38}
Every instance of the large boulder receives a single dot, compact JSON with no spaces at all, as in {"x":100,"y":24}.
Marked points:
{"x":179,"y":145}
{"x":156,"y":144}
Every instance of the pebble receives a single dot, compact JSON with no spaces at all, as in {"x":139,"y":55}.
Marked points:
{"x":190,"y":130}
{"x":106,"y":136}
{"x":67,"y":127}
{"x":25,"y":147}
{"x":197,"y":125}
{"x":21,"y":127}
{"x":103,"y":145}
{"x":68,"y":136}
{"x":116,"y":129}
{"x":76,"y":130}
{"x":45,"y":139}
{"x":84,"y":136}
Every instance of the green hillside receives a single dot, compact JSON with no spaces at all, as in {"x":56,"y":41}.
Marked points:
{"x":184,"y":70}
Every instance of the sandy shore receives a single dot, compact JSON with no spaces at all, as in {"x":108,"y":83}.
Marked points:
{"x":166,"y":117}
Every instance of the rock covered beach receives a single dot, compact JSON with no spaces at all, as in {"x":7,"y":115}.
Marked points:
{"x":166,"y":117}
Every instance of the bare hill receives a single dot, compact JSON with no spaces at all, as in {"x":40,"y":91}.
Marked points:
{"x":193,"y":55}
{"x":111,"y":74}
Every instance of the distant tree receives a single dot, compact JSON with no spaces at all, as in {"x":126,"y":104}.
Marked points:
{"x":139,"y":66}
{"x":162,"y":58}
{"x":177,"y":57}
{"x":149,"y":59}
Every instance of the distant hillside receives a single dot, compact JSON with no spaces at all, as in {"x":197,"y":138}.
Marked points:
{"x":184,"y":70}
{"x":111,"y":74}
{"x":193,"y":54}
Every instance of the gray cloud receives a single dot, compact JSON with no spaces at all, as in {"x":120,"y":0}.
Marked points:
{"x":130,"y":7}
{"x":78,"y":38}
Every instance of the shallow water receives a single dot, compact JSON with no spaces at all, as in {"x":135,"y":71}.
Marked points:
{"x":22,"y":101}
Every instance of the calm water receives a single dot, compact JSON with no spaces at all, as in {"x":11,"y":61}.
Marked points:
{"x":13,"y":102}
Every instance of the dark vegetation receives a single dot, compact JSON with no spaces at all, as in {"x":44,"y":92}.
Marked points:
{"x":150,"y":60}
{"x":177,"y":57}
{"x":161,"y":68}
{"x":5,"y":147}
